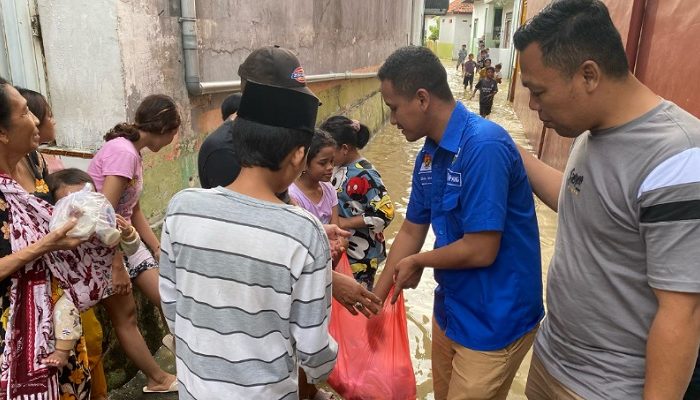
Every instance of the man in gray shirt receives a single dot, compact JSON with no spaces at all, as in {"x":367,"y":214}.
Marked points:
{"x":623,"y":290}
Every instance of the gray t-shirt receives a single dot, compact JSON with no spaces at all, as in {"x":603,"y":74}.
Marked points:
{"x":629,"y":221}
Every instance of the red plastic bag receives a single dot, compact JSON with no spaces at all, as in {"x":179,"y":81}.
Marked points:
{"x":373,"y":356}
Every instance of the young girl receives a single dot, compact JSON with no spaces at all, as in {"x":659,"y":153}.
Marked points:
{"x":117,"y":172}
{"x":364,"y":205}
{"x":40,"y":107}
{"x":312,"y":190}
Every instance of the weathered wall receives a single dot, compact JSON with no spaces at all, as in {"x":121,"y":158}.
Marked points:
{"x":86,"y":90}
{"x":447,"y":34}
{"x":328,"y":36}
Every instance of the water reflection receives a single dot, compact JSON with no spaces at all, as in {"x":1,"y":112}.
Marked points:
{"x":393,"y":157}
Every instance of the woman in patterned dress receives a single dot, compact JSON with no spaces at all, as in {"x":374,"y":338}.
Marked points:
{"x":29,"y":254}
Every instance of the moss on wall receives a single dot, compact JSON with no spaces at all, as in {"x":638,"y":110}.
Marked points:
{"x":444,"y":50}
{"x":175,"y":167}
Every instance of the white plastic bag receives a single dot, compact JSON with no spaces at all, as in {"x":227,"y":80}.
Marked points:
{"x":95,"y":216}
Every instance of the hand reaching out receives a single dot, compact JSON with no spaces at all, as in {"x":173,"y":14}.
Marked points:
{"x":354,"y":297}
{"x":337,"y":238}
{"x":407,"y":274}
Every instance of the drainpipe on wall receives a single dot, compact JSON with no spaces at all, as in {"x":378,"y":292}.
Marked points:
{"x":635,"y":32}
{"x":189,"y":47}
{"x":195,"y":86}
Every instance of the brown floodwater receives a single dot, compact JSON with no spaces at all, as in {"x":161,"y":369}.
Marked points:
{"x":393,"y":157}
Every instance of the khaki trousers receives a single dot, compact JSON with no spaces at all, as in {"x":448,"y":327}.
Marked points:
{"x":465,"y":374}
{"x":543,"y":386}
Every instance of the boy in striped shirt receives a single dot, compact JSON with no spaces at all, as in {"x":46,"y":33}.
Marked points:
{"x":245,"y":278}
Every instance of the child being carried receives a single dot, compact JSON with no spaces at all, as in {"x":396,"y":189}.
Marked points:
{"x":98,"y":219}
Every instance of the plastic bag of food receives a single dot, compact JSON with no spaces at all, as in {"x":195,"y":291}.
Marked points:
{"x":373,"y":354}
{"x":94,"y":212}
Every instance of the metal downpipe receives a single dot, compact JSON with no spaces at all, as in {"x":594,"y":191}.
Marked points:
{"x":189,"y":47}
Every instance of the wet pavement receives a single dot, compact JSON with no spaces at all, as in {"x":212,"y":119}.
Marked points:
{"x":393,"y":157}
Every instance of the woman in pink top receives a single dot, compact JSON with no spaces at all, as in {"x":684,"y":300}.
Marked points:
{"x":117,"y":171}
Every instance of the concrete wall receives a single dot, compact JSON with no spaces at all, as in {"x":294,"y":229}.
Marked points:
{"x":447,"y":29}
{"x":103,"y":56}
{"x":87,"y":91}
{"x":454,"y":32}
{"x":463,"y":28}
{"x":478,"y":25}
{"x":502,"y":56}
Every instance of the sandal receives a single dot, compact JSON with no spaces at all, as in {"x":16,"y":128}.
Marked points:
{"x":172,"y":388}
{"x":169,"y":342}
{"x":323,"y":394}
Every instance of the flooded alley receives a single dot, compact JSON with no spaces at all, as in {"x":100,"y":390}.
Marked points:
{"x":393,"y":157}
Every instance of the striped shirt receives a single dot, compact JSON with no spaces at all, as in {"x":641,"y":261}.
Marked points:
{"x":246,"y":291}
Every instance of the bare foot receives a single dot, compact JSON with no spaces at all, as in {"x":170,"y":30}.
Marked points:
{"x":58,"y":359}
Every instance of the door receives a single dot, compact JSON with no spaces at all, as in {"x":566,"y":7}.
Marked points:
{"x":21,"y":53}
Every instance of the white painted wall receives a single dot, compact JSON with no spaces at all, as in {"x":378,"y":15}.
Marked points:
{"x":479,"y":23}
{"x":447,"y":28}
{"x":502,"y":56}
{"x":430,"y":21}
{"x":416,"y":21}
{"x":85,"y":77}
{"x":463,"y":27}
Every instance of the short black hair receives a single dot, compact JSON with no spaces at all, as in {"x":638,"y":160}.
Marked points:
{"x":68,"y":176}
{"x":571,"y":32}
{"x":411,"y":68}
{"x":230,"y":105}
{"x":5,"y":107}
{"x":259,"y":145}
{"x":320,"y":140}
